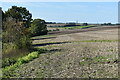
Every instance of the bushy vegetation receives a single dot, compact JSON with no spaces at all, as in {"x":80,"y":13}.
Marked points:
{"x":28,"y":58}
{"x":15,"y":29}
{"x":16,"y":37}
{"x":38,"y":27}
{"x":8,"y":62}
{"x":14,"y":33}
{"x":18,"y":28}
{"x":8,"y":70}
{"x":9,"y":65}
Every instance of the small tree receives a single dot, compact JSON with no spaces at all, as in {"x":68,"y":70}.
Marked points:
{"x":85,"y":24}
{"x":38,"y":27}
{"x":109,"y":24}
{"x":19,"y":14}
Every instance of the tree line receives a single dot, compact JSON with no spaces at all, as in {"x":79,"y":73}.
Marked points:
{"x":18,"y":27}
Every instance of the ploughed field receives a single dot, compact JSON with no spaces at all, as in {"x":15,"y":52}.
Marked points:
{"x":81,"y":54}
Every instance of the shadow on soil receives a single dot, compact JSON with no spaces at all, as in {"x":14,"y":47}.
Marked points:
{"x":54,"y":50}
{"x":44,"y":38}
{"x":45,"y":44}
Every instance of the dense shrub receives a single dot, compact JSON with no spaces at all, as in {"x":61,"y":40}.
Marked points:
{"x":24,"y":43}
{"x":8,"y":62}
{"x":38,"y":27}
{"x":49,"y":30}
{"x":8,"y":47}
{"x":18,"y":28}
{"x":14,"y":36}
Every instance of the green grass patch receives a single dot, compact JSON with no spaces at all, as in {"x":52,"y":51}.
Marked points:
{"x":102,"y":59}
{"x":98,"y":41}
{"x":28,"y":58}
{"x":49,"y":46}
{"x":78,"y":27}
{"x":110,"y":50}
{"x":43,"y":36}
{"x":42,"y":50}
{"x":98,"y":59}
{"x":8,"y":70}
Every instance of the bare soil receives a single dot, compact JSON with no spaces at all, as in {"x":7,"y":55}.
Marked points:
{"x":80,"y":55}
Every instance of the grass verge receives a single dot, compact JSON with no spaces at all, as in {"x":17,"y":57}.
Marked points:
{"x":8,"y":71}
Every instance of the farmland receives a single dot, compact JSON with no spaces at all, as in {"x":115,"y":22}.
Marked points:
{"x":87,"y":53}
{"x":59,"y":40}
{"x":69,"y":27}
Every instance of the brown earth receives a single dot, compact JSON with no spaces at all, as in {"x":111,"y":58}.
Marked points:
{"x":91,"y":53}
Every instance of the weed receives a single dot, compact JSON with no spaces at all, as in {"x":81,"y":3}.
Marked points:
{"x":28,"y":58}
{"x":8,"y":70}
{"x":98,"y":59}
{"x":110,"y":50}
{"x":99,"y":41}
{"x":8,"y":62}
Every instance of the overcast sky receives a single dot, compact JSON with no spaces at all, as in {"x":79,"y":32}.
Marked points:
{"x":91,"y":12}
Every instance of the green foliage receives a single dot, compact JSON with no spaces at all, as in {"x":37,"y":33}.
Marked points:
{"x":20,"y":14}
{"x":28,"y":58}
{"x":85,"y":24}
{"x":8,"y":71}
{"x":38,"y":27}
{"x":49,"y":30}
{"x":99,"y":41}
{"x":78,"y":27}
{"x":98,"y":59}
{"x":101,"y":59}
{"x":41,"y":50}
{"x":24,"y":42}
{"x":8,"y":47}
{"x":14,"y":36}
{"x":12,"y":64}
{"x":8,"y":62}
{"x":12,"y":31}
{"x":56,"y":29}
{"x":107,"y":24}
